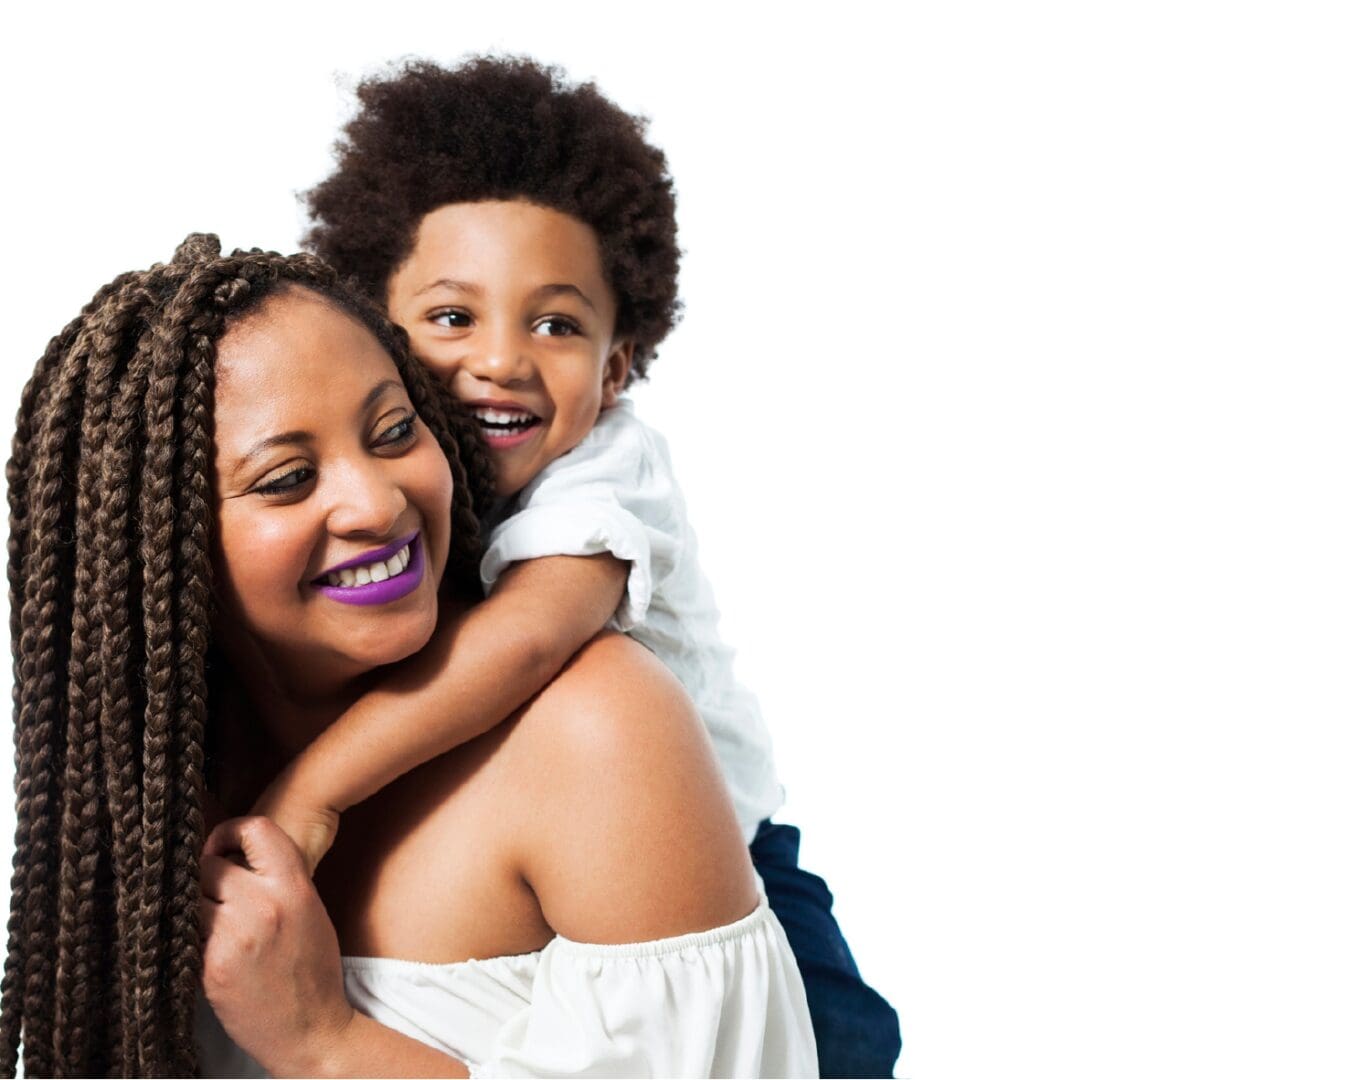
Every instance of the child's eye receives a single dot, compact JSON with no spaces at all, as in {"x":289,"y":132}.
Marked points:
{"x":288,"y":483}
{"x":558,"y":326}
{"x":454,"y":317}
{"x":399,"y":433}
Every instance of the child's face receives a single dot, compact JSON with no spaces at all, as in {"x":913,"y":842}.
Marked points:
{"x":507,"y":303}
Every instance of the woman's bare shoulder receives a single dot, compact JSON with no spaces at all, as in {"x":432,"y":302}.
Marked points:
{"x":612,"y":676}
{"x":628,"y":832}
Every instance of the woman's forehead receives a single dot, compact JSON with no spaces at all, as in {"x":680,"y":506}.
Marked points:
{"x":299,"y":337}
{"x":298,"y":360}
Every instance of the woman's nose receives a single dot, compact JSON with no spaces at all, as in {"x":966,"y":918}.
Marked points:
{"x":364,"y":499}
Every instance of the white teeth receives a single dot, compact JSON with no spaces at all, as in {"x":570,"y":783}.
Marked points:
{"x":381,"y":570}
{"x":500,"y":417}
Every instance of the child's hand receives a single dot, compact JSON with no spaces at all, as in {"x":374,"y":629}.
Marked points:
{"x":309,"y":823}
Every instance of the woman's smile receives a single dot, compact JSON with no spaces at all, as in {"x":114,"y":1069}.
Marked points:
{"x":380,"y":577}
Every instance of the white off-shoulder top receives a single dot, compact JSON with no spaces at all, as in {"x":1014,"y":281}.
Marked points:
{"x":725,"y":1002}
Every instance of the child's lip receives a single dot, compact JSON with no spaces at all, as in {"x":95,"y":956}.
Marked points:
{"x":375,"y":554}
{"x":504,"y":406}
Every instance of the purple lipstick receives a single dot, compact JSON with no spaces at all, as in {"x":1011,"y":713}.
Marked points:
{"x":394,"y":587}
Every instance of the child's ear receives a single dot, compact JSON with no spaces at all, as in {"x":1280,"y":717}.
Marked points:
{"x":616,"y":367}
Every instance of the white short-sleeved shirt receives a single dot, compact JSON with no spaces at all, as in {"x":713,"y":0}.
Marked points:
{"x":727,"y":1002}
{"x":616,"y":492}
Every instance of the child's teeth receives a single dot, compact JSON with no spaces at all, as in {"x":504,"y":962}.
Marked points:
{"x":501,"y":418}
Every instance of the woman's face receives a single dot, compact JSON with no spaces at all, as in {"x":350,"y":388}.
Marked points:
{"x":332,"y":498}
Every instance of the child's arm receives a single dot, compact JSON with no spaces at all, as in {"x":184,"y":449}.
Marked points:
{"x":475,"y":671}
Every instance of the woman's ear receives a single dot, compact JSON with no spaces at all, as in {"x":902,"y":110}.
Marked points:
{"x":616,"y":367}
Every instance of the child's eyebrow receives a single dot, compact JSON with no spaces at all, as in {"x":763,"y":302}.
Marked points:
{"x":560,"y":288}
{"x":449,"y":283}
{"x":564,"y":289}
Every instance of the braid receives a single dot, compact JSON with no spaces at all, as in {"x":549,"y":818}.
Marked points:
{"x":470,"y":467}
{"x":16,"y":472}
{"x":193,"y":569}
{"x":43,"y":648}
{"x":110,"y":612}
{"x":80,"y":854}
{"x":121,"y":650}
{"x":159,"y":515}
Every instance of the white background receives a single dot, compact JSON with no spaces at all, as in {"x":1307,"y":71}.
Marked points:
{"x":1009,"y":404}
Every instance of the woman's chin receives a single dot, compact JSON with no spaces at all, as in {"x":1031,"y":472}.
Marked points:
{"x":393,"y":644}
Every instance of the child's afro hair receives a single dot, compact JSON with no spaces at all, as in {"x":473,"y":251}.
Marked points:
{"x":502,"y":128}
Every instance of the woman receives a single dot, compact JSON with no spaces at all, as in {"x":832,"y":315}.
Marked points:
{"x":252,"y":391}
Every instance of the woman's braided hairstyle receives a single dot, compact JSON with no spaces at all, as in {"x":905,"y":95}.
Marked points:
{"x":110,"y":613}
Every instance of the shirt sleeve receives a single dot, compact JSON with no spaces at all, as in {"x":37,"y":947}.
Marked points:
{"x":613,"y":493}
{"x":728,"y":1002}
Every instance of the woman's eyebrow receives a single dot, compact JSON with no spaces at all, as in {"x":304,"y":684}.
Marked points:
{"x":285,"y":438}
{"x":291,"y":438}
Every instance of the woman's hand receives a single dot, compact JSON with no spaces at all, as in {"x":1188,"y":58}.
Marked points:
{"x":272,"y":967}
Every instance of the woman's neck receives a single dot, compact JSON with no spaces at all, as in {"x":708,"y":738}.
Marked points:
{"x":267,"y":714}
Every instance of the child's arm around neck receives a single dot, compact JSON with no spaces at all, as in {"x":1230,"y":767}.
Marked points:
{"x":476,"y":671}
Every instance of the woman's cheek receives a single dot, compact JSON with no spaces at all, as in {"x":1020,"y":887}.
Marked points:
{"x":263,"y":559}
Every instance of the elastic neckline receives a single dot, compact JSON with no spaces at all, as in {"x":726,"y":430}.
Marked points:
{"x":660,"y":947}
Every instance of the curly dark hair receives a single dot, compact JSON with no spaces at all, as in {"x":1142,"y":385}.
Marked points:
{"x":502,"y":128}
{"x":110,"y":626}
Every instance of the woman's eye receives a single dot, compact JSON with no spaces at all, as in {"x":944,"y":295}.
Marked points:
{"x":398,"y":433}
{"x":557,"y":326}
{"x":452,"y":317}
{"x":287,"y":483}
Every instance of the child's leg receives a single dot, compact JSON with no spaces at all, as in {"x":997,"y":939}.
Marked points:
{"x":857,"y":1030}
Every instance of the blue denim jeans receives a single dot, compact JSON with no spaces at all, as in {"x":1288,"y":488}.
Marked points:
{"x":857,"y":1031}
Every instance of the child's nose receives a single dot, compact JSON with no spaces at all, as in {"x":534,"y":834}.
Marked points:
{"x":501,"y":356}
{"x":364,"y":500}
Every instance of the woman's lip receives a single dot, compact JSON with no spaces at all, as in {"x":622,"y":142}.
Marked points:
{"x":375,"y":555}
{"x":382,"y":592}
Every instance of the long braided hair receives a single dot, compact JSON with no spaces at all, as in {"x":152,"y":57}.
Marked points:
{"x":110,"y":614}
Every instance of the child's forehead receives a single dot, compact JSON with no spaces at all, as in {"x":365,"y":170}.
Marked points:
{"x":518,"y":223}
{"x":504,"y":240}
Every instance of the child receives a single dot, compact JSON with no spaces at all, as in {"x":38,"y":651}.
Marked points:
{"x":522,"y":231}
